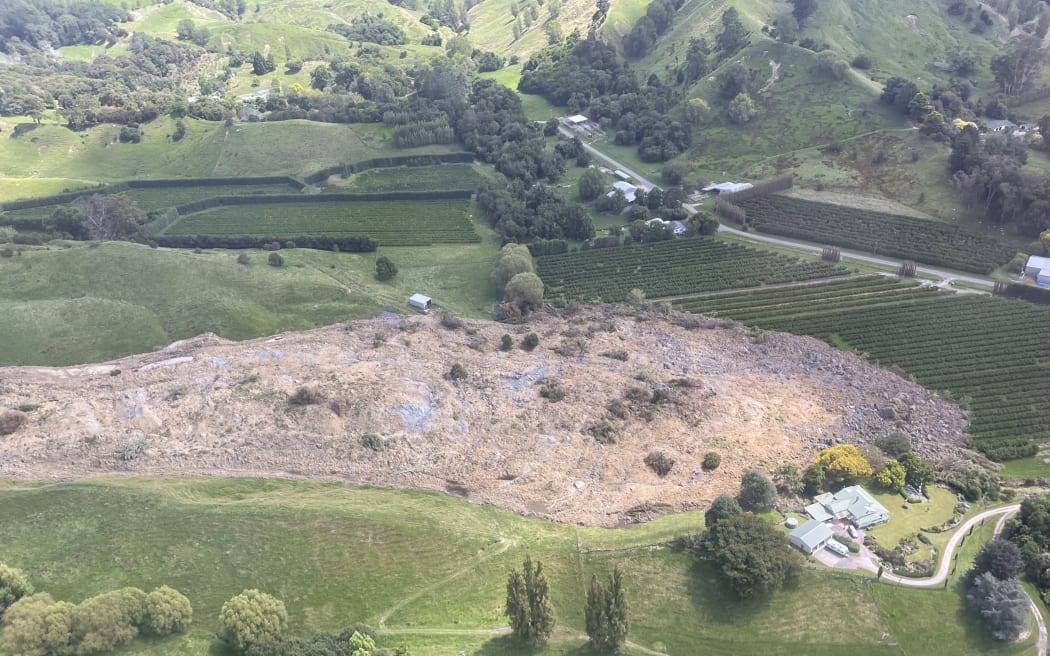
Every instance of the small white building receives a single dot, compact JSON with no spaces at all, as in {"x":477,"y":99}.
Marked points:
{"x":726,"y":187}
{"x":577,"y":119}
{"x":623,"y":175}
{"x":1038,"y":269}
{"x":627,"y":188}
{"x":419,"y":302}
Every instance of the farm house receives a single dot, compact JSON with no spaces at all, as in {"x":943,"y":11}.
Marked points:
{"x":627,"y":188}
{"x":419,"y":302}
{"x":853,"y":504}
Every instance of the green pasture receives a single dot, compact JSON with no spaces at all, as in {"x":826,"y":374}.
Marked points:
{"x":62,"y":306}
{"x":429,"y":571}
{"x":537,"y":108}
{"x":440,"y":177}
{"x":51,"y":156}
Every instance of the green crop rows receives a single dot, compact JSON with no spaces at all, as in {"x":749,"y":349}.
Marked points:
{"x":444,"y":177}
{"x":876,"y":232}
{"x":990,"y":351}
{"x":155,"y":198}
{"x":391,"y":223}
{"x":667,"y":268}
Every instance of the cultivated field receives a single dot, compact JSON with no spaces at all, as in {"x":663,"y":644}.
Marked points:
{"x":987,"y":352}
{"x":429,"y":571}
{"x":155,"y":198}
{"x":443,"y":177}
{"x":680,"y":266}
{"x":929,"y":242}
{"x":389,"y":222}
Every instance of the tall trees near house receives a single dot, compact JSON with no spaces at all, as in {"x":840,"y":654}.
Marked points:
{"x":757,"y":493}
{"x":591,"y":184}
{"x":1015,"y":70}
{"x":528,"y":605}
{"x":723,"y":507}
{"x":606,"y":615}
{"x":843,"y":464}
{"x":1002,"y":604}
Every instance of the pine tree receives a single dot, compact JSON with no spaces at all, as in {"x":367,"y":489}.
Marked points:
{"x":606,"y":615}
{"x":528,"y":604}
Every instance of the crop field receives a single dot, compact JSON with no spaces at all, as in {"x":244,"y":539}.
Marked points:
{"x":443,"y":177}
{"x":429,"y":572}
{"x":929,"y":242}
{"x":391,"y":223}
{"x":155,"y":198}
{"x":680,"y":266}
{"x":988,"y":353}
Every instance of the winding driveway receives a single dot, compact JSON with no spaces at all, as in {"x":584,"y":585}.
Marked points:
{"x":790,"y":243}
{"x":941,"y":575}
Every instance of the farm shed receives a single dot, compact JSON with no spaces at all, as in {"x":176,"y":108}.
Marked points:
{"x":853,"y":504}
{"x":1038,"y":269}
{"x":577,"y":119}
{"x":811,"y":536}
{"x":627,"y":188}
{"x":419,"y":302}
{"x":727,"y":187}
{"x":623,"y":175}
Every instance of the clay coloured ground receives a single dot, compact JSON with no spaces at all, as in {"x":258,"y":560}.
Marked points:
{"x":218,"y":408}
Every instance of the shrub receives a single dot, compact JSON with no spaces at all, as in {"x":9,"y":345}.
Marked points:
{"x":167,"y":611}
{"x":385,"y":269}
{"x":373,"y":442}
{"x":253,"y":619}
{"x":862,"y":62}
{"x":757,"y":493}
{"x":12,"y":420}
{"x":894,"y":444}
{"x":305,"y":395}
{"x":450,"y":321}
{"x":109,"y":620}
{"x":275,"y":260}
{"x":711,"y":460}
{"x":660,"y":462}
{"x":603,"y":432}
{"x":506,"y":343}
{"x":7,"y":252}
{"x":457,"y":372}
{"x":552,"y":391}
{"x":133,"y":451}
{"x":242,"y":258}
{"x":13,"y":586}
{"x":530,"y":342}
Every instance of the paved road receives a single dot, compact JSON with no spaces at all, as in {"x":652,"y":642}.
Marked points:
{"x":790,"y":243}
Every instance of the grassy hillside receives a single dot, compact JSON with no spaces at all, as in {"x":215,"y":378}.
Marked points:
{"x":431,"y":570}
{"x":88,"y":304}
{"x":209,"y":149}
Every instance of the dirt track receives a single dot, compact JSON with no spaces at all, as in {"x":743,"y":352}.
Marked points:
{"x":218,"y":408}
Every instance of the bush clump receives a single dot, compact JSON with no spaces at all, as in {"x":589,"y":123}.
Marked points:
{"x":12,"y":420}
{"x":506,"y":343}
{"x":373,"y":442}
{"x":275,"y":260}
{"x":457,"y":372}
{"x":306,"y":395}
{"x":531,"y":341}
{"x":659,"y":462}
{"x":551,"y":390}
{"x":711,"y":460}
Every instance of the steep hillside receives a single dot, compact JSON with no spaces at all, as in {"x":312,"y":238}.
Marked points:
{"x":559,"y":432}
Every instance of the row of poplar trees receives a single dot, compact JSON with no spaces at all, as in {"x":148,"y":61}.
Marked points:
{"x":532,"y":616}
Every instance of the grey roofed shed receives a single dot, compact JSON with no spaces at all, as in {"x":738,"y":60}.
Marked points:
{"x":811,"y":536}
{"x":419,"y":301}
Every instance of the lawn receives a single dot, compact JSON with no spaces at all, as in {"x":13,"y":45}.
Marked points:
{"x":908,"y":522}
{"x":1034,"y":467}
{"x":62,"y":306}
{"x":430,"y":570}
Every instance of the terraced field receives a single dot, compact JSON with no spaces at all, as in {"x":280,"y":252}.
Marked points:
{"x":905,"y":237}
{"x":681,"y":266}
{"x":389,"y":222}
{"x":989,"y":353}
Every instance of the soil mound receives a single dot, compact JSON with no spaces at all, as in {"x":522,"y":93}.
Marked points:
{"x":560,"y":432}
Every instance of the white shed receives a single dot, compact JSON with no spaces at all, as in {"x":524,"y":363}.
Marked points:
{"x":577,"y":119}
{"x":419,"y":302}
{"x":1038,"y":269}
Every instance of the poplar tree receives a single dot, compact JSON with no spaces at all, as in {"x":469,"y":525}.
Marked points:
{"x":529,"y":604}
{"x":606,"y":615}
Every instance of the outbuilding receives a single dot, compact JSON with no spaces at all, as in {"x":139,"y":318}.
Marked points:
{"x":419,"y":302}
{"x":726,"y":187}
{"x":1038,"y":269}
{"x":811,"y":536}
{"x":626,"y":188}
{"x":577,"y":119}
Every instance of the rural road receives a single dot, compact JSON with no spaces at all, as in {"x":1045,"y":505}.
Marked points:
{"x":790,"y":243}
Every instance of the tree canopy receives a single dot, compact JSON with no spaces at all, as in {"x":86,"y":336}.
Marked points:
{"x":606,"y":615}
{"x":528,"y":604}
{"x":1002,"y":604}
{"x":843,"y":464}
{"x":252,"y":619}
{"x":757,"y":493}
{"x":752,"y":555}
